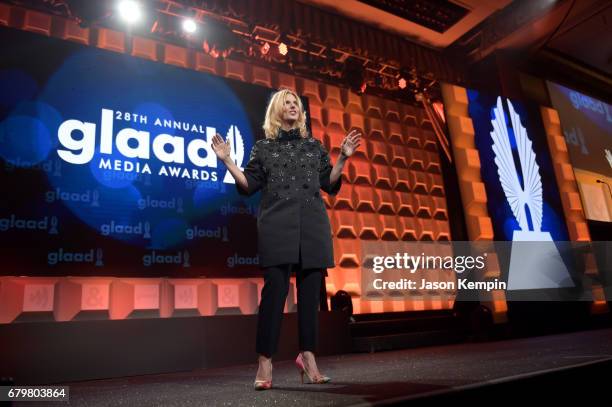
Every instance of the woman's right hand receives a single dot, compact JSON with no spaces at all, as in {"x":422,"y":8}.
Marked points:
{"x":223,"y":150}
{"x":221,"y":147}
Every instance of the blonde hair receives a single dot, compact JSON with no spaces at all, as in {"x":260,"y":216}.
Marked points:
{"x":274,"y":112}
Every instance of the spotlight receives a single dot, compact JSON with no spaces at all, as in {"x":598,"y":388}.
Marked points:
{"x":402,"y":83}
{"x":282,"y":49}
{"x":130,"y":11}
{"x":265,"y":48}
{"x":189,"y":26}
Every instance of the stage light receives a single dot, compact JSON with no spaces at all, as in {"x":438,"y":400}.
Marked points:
{"x":189,"y":26}
{"x":342,"y":301}
{"x":402,"y":83}
{"x":283,"y":49}
{"x":130,"y":11}
{"x":265,"y":48}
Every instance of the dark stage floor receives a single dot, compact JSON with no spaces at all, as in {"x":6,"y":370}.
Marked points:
{"x":379,"y":378}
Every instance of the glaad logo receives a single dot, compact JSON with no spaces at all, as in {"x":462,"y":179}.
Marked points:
{"x":196,"y":184}
{"x":109,"y":176}
{"x":580,"y":101}
{"x":153,"y":257}
{"x":574,"y":137}
{"x":113,"y":228}
{"x":196,"y":232}
{"x":137,"y":145}
{"x":228,"y":209}
{"x":236,"y":260}
{"x":148,"y":202}
{"x":88,"y":196}
{"x":46,"y":223}
{"x":51,"y":167}
{"x":537,"y":266}
{"x":62,"y":256}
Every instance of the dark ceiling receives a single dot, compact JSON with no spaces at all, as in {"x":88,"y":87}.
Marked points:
{"x":437,"y":15}
{"x":588,"y":36}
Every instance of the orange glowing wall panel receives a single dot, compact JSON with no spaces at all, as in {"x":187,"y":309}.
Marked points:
{"x":570,"y":196}
{"x":473,"y":195}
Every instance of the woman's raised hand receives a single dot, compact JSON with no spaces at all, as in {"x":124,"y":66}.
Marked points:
{"x":221,"y":147}
{"x":350,"y":143}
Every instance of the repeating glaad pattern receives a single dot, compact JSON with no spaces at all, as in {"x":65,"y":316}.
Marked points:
{"x":393,"y":190}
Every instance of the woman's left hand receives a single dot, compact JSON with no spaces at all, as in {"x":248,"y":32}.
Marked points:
{"x":350,"y":143}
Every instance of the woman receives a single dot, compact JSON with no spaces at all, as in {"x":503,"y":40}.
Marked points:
{"x":294,"y":234}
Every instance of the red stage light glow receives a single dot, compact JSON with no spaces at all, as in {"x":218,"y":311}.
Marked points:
{"x":265,"y":48}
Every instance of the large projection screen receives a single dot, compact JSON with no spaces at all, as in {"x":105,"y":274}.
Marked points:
{"x":107,"y":168}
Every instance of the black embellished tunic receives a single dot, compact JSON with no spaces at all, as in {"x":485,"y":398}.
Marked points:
{"x":292,"y":223}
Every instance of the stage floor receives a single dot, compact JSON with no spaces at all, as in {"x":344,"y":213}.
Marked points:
{"x":365,"y":379}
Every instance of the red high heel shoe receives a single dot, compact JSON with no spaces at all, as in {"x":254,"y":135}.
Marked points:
{"x":263,"y":384}
{"x":299,"y":363}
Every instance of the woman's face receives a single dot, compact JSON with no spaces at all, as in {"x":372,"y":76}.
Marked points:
{"x":291,"y":110}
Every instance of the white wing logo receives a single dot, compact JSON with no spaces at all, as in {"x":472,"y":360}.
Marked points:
{"x":537,"y":264}
{"x":531,"y":192}
{"x":237,"y":151}
{"x":609,"y":157}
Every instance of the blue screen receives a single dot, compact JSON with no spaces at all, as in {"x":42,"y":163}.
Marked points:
{"x":107,"y":166}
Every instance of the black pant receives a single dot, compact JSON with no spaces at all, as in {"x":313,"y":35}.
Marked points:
{"x":273,"y":296}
